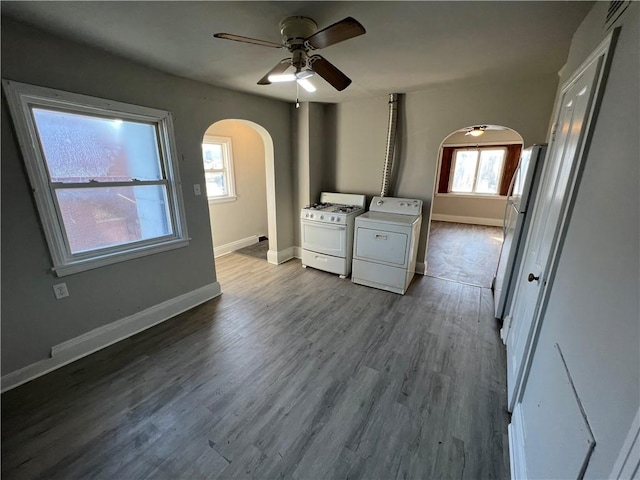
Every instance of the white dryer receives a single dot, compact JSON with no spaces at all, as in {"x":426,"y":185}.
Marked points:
{"x":386,"y":244}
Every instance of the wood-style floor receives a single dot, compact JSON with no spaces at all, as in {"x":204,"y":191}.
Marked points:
{"x":291,"y":373}
{"x":464,"y":253}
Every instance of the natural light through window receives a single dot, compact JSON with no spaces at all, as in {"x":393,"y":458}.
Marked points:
{"x":106,"y":181}
{"x":218,"y":168}
{"x":477,"y":171}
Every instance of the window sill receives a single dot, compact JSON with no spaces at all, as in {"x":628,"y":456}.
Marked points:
{"x":472,"y":196}
{"x":78,"y":266}
{"x":230,"y":198}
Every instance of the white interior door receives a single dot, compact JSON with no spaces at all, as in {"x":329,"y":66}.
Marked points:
{"x":573,"y":113}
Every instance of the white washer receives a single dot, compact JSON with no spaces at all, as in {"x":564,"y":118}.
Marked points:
{"x":386,"y":244}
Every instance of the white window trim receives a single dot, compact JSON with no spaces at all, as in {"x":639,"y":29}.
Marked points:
{"x":21,"y":97}
{"x":490,"y":196}
{"x":475,"y":175}
{"x":228,"y":168}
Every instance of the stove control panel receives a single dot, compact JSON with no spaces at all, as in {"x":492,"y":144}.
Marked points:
{"x":331,"y":217}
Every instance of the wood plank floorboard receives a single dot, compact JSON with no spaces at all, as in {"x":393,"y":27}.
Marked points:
{"x":464,"y":253}
{"x":291,"y":373}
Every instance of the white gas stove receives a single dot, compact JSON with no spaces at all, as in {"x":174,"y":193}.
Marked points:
{"x":326,"y":232}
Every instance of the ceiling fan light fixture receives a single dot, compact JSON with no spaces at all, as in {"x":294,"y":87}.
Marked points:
{"x":307,"y":85}
{"x":476,"y":131}
{"x":282,"y":77}
{"x":300,"y":35}
{"x":304,"y":74}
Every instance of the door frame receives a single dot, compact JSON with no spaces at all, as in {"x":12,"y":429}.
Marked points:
{"x":603,"y":51}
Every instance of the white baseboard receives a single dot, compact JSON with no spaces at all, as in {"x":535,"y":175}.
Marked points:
{"x":297,"y":252}
{"x":421,"y":268}
{"x":277,"y":257}
{"x":491,"y":222}
{"x":90,"y":342}
{"x":233,"y":246}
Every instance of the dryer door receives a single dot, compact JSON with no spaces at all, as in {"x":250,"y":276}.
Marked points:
{"x":381,"y":245}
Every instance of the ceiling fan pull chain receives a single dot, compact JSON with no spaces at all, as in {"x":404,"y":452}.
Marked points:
{"x":297,"y":95}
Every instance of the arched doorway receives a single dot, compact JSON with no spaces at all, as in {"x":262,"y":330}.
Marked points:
{"x":240,"y":185}
{"x":469,"y":197}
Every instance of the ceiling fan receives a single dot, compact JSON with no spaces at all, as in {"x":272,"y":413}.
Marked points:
{"x":300,"y":35}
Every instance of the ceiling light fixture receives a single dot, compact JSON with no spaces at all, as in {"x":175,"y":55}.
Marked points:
{"x":302,"y":77}
{"x":282,"y":77}
{"x":476,"y":131}
{"x":307,"y":85}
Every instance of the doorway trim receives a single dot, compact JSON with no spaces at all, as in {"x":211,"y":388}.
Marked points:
{"x":270,"y":178}
{"x":422,"y":267}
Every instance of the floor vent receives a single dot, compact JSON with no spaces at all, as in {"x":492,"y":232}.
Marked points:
{"x":616,"y":7}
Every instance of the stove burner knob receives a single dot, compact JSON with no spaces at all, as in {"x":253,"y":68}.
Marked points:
{"x":306,"y":215}
{"x":338,"y":219}
{"x":312,"y":216}
{"x":333,"y":219}
{"x":321,"y":217}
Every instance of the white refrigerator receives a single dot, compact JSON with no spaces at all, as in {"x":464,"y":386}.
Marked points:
{"x":520,"y":199}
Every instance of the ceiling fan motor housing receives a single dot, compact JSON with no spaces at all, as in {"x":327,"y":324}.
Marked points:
{"x":295,"y":30}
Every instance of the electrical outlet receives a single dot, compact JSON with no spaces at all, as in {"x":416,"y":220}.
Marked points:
{"x":60,"y":290}
{"x":196,"y":189}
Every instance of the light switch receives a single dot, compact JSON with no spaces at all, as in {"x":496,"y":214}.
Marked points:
{"x":196,"y":189}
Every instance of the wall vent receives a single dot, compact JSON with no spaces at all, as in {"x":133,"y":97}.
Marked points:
{"x":616,"y":7}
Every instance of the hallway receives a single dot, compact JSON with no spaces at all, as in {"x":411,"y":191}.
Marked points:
{"x":464,"y":253}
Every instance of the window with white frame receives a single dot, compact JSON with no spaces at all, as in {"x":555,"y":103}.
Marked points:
{"x":104,"y":176}
{"x":218,"y":168}
{"x":477,"y":171}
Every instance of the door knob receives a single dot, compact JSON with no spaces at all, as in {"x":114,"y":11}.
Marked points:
{"x":532,"y":277}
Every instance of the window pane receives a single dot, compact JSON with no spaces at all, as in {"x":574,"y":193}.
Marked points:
{"x":489,"y":171}
{"x":79,"y":148}
{"x":464,"y":171}
{"x":216,"y":185}
{"x":212,"y":153}
{"x":104,"y":217}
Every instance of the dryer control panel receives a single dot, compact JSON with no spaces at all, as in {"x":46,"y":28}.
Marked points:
{"x":402,"y":206}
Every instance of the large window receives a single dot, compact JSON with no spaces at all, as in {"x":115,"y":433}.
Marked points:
{"x":104,"y":176}
{"x":218,"y":168}
{"x":477,"y":170}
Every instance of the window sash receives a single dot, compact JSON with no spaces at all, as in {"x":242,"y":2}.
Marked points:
{"x":22,"y":98}
{"x":476,"y":169}
{"x":226,"y":169}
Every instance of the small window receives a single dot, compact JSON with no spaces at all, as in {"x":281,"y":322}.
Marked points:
{"x":218,"y":168}
{"x":477,"y":171}
{"x":103,"y":173}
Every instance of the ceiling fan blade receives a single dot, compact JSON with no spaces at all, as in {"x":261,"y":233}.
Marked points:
{"x":338,"y":32}
{"x":254,"y":41}
{"x":329,"y":72}
{"x":280,"y":67}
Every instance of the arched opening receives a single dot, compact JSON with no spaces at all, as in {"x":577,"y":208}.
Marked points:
{"x":238,"y":158}
{"x":474,"y":173}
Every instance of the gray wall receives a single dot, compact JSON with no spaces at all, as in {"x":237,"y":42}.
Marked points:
{"x":32,"y":320}
{"x":426,"y":118}
{"x":593,"y":311}
{"x":246,"y":216}
{"x":311,"y":142}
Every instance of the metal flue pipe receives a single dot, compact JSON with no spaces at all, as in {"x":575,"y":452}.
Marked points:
{"x":391,"y":144}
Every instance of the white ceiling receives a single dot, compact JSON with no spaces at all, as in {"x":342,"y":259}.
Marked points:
{"x":409,"y":46}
